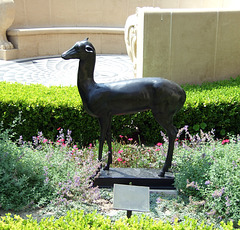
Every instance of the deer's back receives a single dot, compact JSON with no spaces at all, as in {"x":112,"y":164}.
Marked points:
{"x":135,"y":95}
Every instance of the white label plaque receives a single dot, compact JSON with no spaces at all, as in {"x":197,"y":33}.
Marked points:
{"x":130,"y":197}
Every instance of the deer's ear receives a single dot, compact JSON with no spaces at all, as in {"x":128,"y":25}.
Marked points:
{"x":89,"y":49}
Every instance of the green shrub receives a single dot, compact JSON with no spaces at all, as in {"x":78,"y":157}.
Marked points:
{"x":208,"y":172}
{"x":209,"y":106}
{"x":21,"y":177}
{"x":78,"y":220}
{"x":36,"y":174}
{"x":46,"y":109}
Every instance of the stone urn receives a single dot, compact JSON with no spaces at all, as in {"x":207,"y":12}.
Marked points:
{"x":7,"y":13}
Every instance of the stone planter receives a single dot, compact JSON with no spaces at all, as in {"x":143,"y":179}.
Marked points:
{"x":185,"y":45}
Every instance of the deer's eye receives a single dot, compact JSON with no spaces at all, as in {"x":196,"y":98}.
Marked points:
{"x":89,"y":49}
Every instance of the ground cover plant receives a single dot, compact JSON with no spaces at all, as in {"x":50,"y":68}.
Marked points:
{"x":56,"y":175}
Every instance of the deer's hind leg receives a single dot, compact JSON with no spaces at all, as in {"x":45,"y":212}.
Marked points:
{"x":166,"y":121}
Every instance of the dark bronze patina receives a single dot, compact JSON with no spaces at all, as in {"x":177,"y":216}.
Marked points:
{"x":104,"y":100}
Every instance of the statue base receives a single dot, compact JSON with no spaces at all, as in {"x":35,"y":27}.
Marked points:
{"x":134,"y":176}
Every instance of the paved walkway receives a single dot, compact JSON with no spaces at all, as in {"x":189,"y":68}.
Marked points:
{"x":56,"y":71}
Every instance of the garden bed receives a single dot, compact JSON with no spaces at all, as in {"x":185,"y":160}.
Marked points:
{"x":48,"y":178}
{"x":50,"y":173}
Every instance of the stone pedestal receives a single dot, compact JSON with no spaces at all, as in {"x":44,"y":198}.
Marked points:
{"x":134,"y":176}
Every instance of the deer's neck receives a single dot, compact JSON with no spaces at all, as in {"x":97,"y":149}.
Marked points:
{"x":85,"y":81}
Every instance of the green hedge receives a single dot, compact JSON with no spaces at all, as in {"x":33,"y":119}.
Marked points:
{"x":208,"y":106}
{"x":46,"y":109}
{"x":78,"y":220}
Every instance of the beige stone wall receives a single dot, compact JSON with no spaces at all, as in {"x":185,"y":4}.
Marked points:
{"x":103,"y":13}
{"x":48,"y":13}
{"x":48,"y":27}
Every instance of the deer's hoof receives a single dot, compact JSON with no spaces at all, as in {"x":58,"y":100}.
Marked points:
{"x":106,"y":168}
{"x":161,"y":174}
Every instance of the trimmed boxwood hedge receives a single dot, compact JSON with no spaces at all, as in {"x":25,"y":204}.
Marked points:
{"x":78,"y":220}
{"x":208,"y":106}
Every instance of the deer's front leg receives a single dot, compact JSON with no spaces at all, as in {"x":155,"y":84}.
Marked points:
{"x":105,"y":123}
{"x":109,"y":143}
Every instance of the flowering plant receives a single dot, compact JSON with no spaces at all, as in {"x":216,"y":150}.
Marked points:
{"x":43,"y":172}
{"x":209,"y":172}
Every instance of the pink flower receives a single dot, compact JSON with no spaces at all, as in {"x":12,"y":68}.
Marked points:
{"x":225,"y":141}
{"x":44,"y":140}
{"x":58,"y":128}
{"x":120,"y":151}
{"x":130,"y":139}
{"x":90,"y":146}
{"x":157,"y":150}
{"x":159,"y":144}
{"x":61,"y":140}
{"x":120,"y":136}
{"x":119,"y":159}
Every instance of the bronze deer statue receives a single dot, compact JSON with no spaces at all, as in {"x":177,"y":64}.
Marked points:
{"x":165,"y":98}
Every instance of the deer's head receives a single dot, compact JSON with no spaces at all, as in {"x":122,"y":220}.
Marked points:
{"x":81,"y":50}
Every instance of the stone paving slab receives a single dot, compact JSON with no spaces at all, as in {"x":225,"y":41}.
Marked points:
{"x":56,"y":71}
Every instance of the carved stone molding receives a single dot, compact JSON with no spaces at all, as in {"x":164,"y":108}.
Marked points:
{"x":130,"y":36}
{"x":7,"y":14}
